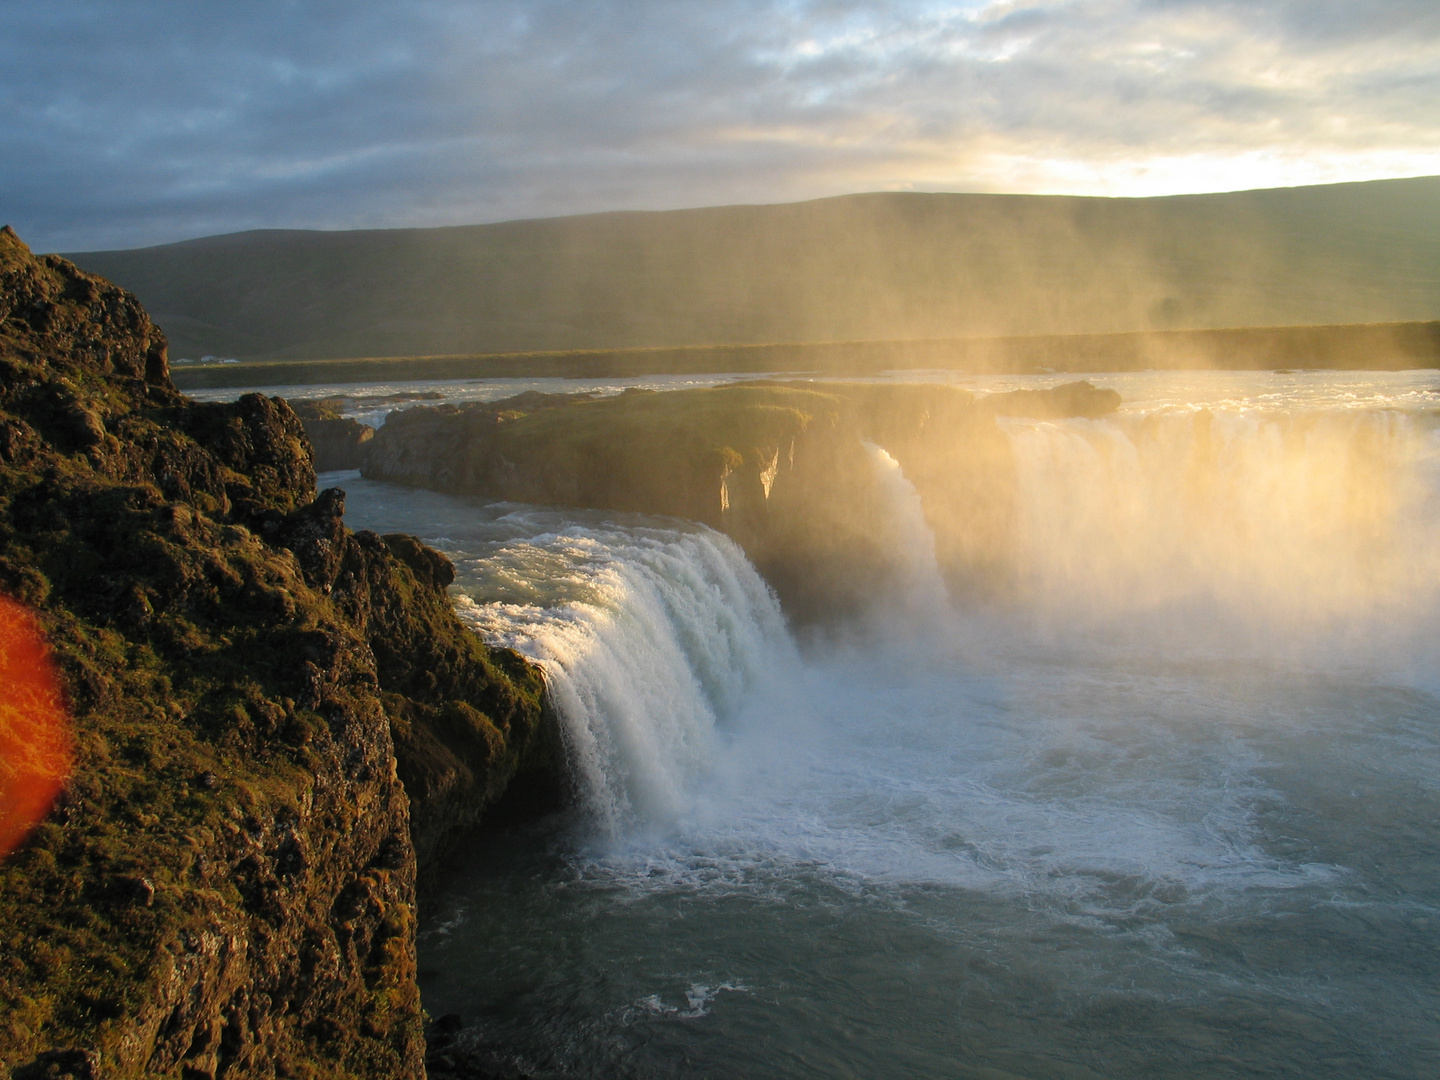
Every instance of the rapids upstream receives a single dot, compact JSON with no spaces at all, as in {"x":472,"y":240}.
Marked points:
{"x":1167,"y":808}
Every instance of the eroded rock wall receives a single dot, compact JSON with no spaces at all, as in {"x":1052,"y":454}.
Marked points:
{"x":338,"y":441}
{"x":783,"y":468}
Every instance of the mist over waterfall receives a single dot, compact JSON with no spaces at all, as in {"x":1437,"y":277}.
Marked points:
{"x":1279,"y":526}
{"x":921,"y":588}
{"x":1167,"y":786}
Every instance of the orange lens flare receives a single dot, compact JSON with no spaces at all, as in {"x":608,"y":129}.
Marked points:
{"x":36,"y":743}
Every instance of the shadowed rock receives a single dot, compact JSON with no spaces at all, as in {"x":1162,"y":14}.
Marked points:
{"x":272,"y":715}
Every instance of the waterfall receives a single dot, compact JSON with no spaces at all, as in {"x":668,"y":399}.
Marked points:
{"x":1288,"y":521}
{"x":649,"y":638}
{"x":1178,"y":744}
{"x":922,"y":589}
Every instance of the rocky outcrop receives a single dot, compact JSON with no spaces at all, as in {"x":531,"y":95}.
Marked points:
{"x":466,"y":720}
{"x":338,"y":441}
{"x":784,"y":468}
{"x":272,"y":716}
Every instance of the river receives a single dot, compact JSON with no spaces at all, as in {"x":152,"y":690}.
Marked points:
{"x":1166,"y":809}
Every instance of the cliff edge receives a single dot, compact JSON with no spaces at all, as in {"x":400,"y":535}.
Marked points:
{"x":277,"y":722}
{"x":792,"y":471}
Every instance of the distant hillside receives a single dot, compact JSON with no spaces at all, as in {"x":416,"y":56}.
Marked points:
{"x":854,"y":268}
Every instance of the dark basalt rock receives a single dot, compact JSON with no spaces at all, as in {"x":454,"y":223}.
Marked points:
{"x":62,"y":1065}
{"x":272,"y":716}
{"x":426,"y":563}
{"x":781,"y":467}
{"x":339,"y":442}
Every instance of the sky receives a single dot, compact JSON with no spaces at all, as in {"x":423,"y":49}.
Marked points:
{"x":125,"y":124}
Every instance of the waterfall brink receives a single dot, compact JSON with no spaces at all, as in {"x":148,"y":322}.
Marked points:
{"x":1290,"y":522}
{"x":921,"y":588}
{"x":649,"y":637}
{"x":1174,"y":741}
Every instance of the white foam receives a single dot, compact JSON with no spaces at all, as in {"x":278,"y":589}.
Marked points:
{"x":909,"y":770}
{"x":921,"y":590}
{"x":698,"y":998}
{"x":648,"y":638}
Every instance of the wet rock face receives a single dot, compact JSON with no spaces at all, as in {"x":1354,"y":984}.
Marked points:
{"x":226,"y":885}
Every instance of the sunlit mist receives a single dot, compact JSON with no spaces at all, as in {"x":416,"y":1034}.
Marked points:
{"x":998,"y":696}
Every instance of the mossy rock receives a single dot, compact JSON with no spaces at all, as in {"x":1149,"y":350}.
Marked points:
{"x":227,"y":880}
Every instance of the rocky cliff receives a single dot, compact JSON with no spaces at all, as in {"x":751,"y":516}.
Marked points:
{"x":277,"y":721}
{"x":787,"y":469}
{"x":338,"y":442}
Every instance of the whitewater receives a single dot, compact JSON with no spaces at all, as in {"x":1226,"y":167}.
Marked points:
{"x":1165,"y":805}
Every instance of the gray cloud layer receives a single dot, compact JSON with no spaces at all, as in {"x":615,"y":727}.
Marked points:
{"x":132,"y":123}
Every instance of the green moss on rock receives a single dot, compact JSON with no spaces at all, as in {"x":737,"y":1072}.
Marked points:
{"x":227,"y":882}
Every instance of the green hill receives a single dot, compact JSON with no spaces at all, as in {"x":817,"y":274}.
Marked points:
{"x":854,"y":268}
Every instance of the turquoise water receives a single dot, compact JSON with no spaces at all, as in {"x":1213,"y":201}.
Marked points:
{"x":1171,"y":811}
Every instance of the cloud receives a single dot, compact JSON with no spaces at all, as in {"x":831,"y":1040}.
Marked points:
{"x":141,"y":122}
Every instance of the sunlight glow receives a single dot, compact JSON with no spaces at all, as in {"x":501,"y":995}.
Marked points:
{"x":36,"y":750}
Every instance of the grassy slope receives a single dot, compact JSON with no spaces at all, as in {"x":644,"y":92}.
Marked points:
{"x":855,"y":268}
{"x":1373,"y":346}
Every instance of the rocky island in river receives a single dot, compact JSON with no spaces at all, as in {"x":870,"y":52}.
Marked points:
{"x":787,"y":469}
